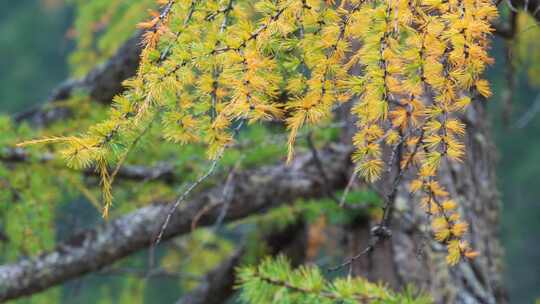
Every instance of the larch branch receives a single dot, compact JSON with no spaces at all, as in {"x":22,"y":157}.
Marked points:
{"x":255,"y":191}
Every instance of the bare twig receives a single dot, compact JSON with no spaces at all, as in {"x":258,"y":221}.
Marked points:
{"x":228,"y":191}
{"x":179,"y":200}
{"x":227,"y":194}
{"x":185,"y":194}
{"x":350,"y":184}
{"x":382,"y":231}
{"x":320,"y":167}
{"x":528,"y":116}
{"x":348,"y":262}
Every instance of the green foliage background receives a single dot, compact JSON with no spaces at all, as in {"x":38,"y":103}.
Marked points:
{"x":36,"y":53}
{"x":33,"y":48}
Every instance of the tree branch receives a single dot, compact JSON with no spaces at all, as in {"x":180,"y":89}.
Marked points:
{"x":164,"y":172}
{"x":256,"y":191}
{"x":101,"y":84}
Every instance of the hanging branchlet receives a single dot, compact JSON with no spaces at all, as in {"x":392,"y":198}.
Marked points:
{"x":157,"y":26}
{"x":325,"y":63}
{"x":209,"y":65}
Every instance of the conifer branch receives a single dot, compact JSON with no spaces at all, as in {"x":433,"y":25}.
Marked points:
{"x":405,"y":84}
{"x":164,"y":172}
{"x":94,"y":249}
{"x":260,"y":284}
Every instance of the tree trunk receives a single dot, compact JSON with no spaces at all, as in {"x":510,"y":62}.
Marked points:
{"x":412,"y":256}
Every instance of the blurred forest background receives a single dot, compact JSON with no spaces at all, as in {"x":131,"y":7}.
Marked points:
{"x":38,"y":50}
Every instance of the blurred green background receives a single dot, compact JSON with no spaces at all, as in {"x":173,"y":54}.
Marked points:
{"x":34,"y":46}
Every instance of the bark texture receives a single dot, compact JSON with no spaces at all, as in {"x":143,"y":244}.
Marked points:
{"x":411,"y":255}
{"x":253,"y":191}
{"x":396,"y":261}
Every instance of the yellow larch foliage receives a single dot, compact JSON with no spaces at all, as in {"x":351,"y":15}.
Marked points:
{"x":410,"y":66}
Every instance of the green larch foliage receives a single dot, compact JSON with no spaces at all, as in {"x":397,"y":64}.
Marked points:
{"x":274,"y":281}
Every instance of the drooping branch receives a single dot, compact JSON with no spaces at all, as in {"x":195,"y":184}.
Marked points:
{"x":105,"y":81}
{"x":163,"y":172}
{"x":254,"y":191}
{"x":101,"y":84}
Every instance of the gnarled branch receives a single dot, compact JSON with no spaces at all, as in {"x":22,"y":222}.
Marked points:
{"x":101,"y":84}
{"x":254,"y":191}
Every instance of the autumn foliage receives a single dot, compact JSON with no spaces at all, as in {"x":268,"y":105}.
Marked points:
{"x":410,"y":68}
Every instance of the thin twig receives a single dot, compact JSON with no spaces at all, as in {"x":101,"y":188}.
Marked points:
{"x":164,"y":171}
{"x":348,"y":188}
{"x":528,"y":116}
{"x":228,"y":190}
{"x":184,"y":195}
{"x":320,"y":168}
{"x":381,"y":231}
{"x":351,"y":260}
{"x":227,"y":196}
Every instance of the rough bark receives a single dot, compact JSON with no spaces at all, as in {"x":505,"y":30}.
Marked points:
{"x":253,"y":191}
{"x":411,"y":255}
{"x":395,"y":261}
